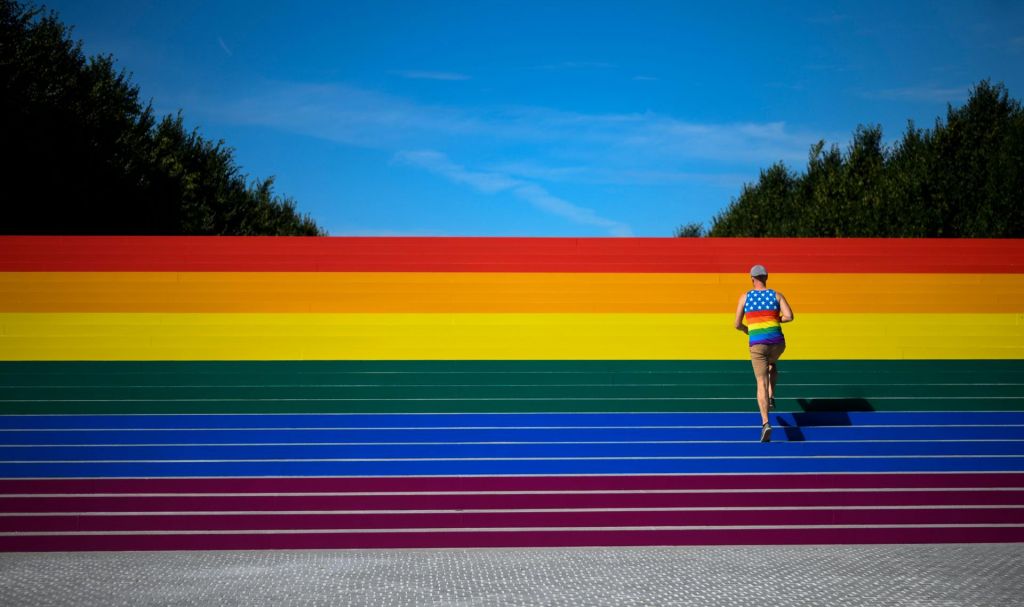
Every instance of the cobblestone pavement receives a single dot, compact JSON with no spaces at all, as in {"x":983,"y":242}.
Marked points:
{"x":963,"y":574}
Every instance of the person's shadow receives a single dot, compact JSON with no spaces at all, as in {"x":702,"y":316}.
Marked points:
{"x":822,"y":412}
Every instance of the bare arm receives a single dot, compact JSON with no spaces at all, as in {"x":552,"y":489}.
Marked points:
{"x":785,"y":312}
{"x":739,"y":314}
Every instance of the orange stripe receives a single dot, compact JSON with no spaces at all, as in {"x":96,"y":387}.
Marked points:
{"x":496,"y":292}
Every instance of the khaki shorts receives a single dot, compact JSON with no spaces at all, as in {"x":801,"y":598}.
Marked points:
{"x":763,"y":355}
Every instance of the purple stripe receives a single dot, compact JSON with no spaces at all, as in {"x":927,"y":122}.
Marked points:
{"x":249,"y":522}
{"x":496,"y":539}
{"x":772,"y":508}
{"x":509,"y":483}
{"x":498,"y":501}
{"x":766,"y":337}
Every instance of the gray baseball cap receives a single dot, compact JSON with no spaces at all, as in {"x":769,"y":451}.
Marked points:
{"x":758,"y":270}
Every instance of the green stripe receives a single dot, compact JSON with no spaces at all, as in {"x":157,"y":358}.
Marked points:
{"x":501,"y":386}
{"x":381,"y":390}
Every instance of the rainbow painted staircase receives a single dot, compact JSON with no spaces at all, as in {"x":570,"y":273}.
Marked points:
{"x":257,"y":393}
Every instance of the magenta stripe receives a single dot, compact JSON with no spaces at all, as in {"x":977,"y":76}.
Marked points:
{"x":515,"y":539}
{"x":522,"y":483}
{"x":488,"y":501}
{"x":511,"y":519}
{"x":773,"y":508}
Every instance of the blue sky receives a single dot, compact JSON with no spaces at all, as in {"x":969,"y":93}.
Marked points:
{"x":526,"y":118}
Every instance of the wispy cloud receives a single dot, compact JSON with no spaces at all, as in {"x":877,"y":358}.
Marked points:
{"x":920,"y":93}
{"x":494,"y":183}
{"x":224,"y":46}
{"x":604,"y":175}
{"x":421,"y":75}
{"x":523,"y":151}
{"x":345,"y":114}
{"x":357,"y":116}
{"x":644,"y":78}
{"x":436,"y":162}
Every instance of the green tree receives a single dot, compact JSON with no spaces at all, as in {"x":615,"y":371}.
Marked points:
{"x":761,"y":208}
{"x":690,"y":230}
{"x":963,"y":178}
{"x":87,"y":156}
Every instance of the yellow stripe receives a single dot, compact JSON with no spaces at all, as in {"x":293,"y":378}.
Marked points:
{"x":60,"y":336}
{"x":496,"y":292}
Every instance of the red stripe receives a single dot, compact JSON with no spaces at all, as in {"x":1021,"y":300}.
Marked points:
{"x":361,"y":521}
{"x":498,"y":501}
{"x":500,"y":539}
{"x":225,"y":254}
{"x":508,"y":483}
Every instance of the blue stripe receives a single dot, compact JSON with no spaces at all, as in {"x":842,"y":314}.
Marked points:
{"x":31,"y":422}
{"x":752,"y":448}
{"x":799,"y":445}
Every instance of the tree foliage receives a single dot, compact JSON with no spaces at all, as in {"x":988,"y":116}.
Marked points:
{"x":962,"y":178}
{"x":85,"y":155}
{"x":690,"y":230}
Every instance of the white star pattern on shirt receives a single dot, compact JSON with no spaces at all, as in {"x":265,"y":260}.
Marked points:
{"x":758,"y":301}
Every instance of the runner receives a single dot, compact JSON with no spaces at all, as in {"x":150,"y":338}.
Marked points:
{"x":760,"y":314}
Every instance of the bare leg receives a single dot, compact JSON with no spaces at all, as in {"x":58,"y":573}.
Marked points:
{"x":763,"y":384}
{"x":773,"y":376}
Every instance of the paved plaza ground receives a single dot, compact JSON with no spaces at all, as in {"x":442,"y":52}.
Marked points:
{"x":931,"y":575}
